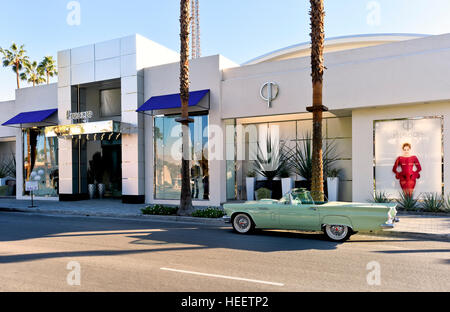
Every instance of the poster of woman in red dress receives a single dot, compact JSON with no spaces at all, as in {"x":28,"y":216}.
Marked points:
{"x":407,"y":175}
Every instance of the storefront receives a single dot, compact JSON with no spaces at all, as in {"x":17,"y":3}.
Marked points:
{"x":115,"y":135}
{"x":95,"y":134}
{"x":39,"y":153}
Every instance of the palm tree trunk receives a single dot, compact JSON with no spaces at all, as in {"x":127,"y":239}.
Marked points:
{"x":17,"y":76}
{"x":185,"y":199}
{"x":48,"y":78}
{"x":317,"y":67}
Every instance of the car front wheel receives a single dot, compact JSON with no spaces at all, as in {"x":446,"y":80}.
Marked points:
{"x":243,"y":224}
{"x":337,"y":233}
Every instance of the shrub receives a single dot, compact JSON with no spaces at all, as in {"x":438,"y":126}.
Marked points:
{"x":159,"y":210}
{"x":263,"y":193}
{"x":380,"y":197}
{"x":446,"y":206}
{"x":432,"y":202}
{"x":407,"y":202}
{"x":208,"y":213}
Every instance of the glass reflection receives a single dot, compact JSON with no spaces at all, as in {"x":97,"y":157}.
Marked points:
{"x":167,"y":147}
{"x":40,"y":162}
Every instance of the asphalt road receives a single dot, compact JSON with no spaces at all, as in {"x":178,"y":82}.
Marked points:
{"x":133,"y":255}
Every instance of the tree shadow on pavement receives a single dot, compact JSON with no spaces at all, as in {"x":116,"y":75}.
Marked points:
{"x":149,"y":236}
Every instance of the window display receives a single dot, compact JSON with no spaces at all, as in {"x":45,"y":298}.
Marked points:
{"x":408,"y":156}
{"x":40,"y":162}
{"x":167,"y":147}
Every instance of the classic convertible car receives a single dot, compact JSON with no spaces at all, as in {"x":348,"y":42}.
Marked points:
{"x":297,"y":211}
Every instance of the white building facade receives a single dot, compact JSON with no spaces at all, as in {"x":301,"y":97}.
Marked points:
{"x":117,"y":103}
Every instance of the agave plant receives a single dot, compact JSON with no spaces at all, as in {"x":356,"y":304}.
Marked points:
{"x":300,"y":157}
{"x":380,"y":197}
{"x":8,"y":167}
{"x":432,"y":202}
{"x":407,"y":201}
{"x":446,"y":206}
{"x":271,"y":160}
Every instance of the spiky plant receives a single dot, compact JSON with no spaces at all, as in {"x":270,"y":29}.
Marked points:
{"x":380,"y":197}
{"x":432,"y":202}
{"x":271,"y":159}
{"x":301,"y":157}
{"x":407,"y":202}
{"x":446,"y":207}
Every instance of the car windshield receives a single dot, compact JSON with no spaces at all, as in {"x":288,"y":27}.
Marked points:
{"x":302,"y":196}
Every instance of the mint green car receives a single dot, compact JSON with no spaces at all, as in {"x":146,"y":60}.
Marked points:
{"x":297,"y":211}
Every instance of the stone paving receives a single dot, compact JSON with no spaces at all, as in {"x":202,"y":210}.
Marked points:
{"x":427,"y":225}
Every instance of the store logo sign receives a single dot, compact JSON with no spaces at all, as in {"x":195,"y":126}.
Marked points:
{"x":85,"y":116}
{"x":269,"y":92}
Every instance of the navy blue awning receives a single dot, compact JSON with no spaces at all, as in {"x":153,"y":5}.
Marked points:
{"x":30,"y":117}
{"x":172,"y":101}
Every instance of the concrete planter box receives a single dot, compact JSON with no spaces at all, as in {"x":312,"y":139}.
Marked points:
{"x":333,"y":188}
{"x":250,"y":187}
{"x":286,"y":185}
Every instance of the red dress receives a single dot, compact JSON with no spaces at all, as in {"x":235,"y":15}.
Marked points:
{"x":407,"y":175}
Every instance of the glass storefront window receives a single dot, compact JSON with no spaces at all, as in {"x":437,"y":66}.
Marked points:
{"x":40,"y":162}
{"x":167,"y":149}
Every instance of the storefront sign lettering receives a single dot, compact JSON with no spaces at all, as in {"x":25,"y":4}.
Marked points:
{"x":85,"y":116}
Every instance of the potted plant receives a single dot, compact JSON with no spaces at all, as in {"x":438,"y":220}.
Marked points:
{"x":300,"y":159}
{"x":91,"y":186}
{"x":333,"y":184}
{"x":270,"y":160}
{"x":250,"y":185}
{"x":97,"y":172}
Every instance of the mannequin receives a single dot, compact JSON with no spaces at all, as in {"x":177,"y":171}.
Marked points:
{"x":407,"y":175}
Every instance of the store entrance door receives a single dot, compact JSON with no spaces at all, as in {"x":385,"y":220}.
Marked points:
{"x":104,"y":172}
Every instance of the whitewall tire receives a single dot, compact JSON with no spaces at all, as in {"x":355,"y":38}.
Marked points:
{"x":243,"y":224}
{"x":337,"y":233}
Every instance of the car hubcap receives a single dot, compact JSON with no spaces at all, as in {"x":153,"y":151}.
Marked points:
{"x":337,"y":232}
{"x":242,"y":223}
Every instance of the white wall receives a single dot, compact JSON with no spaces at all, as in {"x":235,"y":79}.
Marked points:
{"x":362,"y":128}
{"x":122,"y":58}
{"x":404,"y":72}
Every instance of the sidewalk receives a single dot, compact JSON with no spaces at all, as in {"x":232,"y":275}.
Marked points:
{"x":420,"y":226}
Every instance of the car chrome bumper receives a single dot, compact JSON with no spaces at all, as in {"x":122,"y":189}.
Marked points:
{"x":226,"y":219}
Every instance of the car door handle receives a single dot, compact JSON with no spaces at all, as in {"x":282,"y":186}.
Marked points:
{"x":313,"y":208}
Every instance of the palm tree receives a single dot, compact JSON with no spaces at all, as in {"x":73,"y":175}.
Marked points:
{"x":48,"y":65}
{"x":185,"y":20}
{"x":16,"y":58}
{"x":317,"y":68}
{"x":33,"y":73}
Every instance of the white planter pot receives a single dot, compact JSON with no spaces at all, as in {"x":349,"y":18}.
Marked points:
{"x":250,"y":187}
{"x":286,"y":185}
{"x":101,"y":190}
{"x":333,"y":188}
{"x":91,"y":190}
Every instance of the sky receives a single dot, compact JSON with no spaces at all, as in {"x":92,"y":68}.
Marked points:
{"x":238,"y":29}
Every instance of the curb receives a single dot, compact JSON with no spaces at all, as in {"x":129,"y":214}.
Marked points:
{"x":414,"y":235}
{"x":206,"y":221}
{"x":118,"y":216}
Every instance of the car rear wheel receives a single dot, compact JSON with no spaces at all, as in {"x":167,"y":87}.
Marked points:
{"x":337,"y":233}
{"x":243,"y":224}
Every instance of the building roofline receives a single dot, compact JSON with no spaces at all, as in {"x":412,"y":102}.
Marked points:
{"x":335,"y":40}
